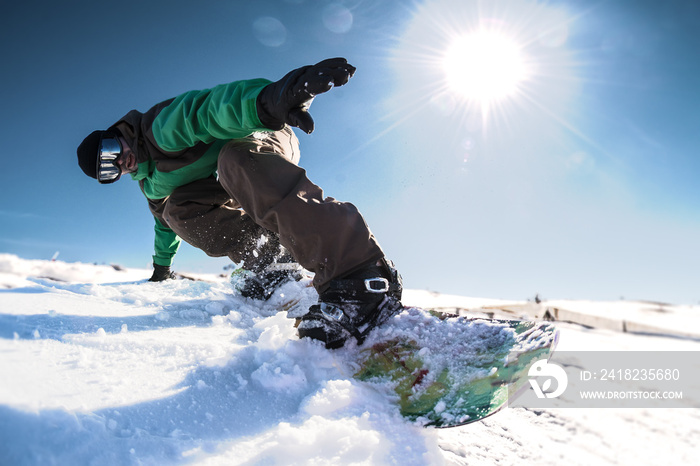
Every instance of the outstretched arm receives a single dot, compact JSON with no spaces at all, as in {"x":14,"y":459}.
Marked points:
{"x":237,"y":109}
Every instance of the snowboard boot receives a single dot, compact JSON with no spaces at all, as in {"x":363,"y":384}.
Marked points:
{"x":262,"y":284}
{"x":354,"y":305}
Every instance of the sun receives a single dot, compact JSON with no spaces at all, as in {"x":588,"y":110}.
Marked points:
{"x":484,"y":66}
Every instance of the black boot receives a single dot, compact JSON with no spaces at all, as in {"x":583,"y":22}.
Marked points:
{"x":273,"y":267}
{"x":354,"y":305}
{"x":262,"y":285}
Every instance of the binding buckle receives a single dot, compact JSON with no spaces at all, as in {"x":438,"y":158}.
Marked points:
{"x":331,"y":312}
{"x":377,"y":285}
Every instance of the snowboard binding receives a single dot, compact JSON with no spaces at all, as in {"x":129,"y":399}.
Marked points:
{"x":354,"y":305}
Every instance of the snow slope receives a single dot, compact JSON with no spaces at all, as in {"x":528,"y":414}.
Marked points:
{"x":99,"y":366}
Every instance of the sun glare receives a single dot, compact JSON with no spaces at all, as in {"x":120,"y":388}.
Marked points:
{"x":482,"y":68}
{"x":485,"y":66}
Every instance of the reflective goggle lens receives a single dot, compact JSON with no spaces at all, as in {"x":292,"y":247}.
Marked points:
{"x":107,"y":169}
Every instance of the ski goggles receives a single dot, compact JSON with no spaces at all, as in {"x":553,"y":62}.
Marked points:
{"x":107,"y":169}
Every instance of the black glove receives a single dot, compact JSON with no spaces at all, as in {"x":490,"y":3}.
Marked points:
{"x":287,"y":101}
{"x":160,"y":273}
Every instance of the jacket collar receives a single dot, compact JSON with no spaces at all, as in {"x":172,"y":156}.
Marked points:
{"x":130,"y":128}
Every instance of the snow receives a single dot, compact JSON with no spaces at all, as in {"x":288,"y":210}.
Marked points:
{"x":99,"y":366}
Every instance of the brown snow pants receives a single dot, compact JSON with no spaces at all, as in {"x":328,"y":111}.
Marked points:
{"x":261,"y":189}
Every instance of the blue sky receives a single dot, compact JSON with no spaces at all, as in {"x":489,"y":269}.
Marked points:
{"x":582,"y":184}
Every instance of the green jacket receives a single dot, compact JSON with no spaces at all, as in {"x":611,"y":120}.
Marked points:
{"x":178,"y":141}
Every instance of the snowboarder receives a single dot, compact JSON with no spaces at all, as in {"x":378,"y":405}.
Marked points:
{"x":219,"y":170}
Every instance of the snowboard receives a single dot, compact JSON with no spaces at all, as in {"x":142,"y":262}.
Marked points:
{"x":451,"y":371}
{"x":440,"y":369}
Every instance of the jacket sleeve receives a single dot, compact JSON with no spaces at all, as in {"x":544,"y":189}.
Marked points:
{"x":227,"y":111}
{"x":166,"y":244}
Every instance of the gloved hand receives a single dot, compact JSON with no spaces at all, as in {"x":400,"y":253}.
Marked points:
{"x":287,"y":101}
{"x":160,"y":273}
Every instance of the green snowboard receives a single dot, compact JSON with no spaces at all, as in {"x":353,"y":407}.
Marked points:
{"x":447,"y":372}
